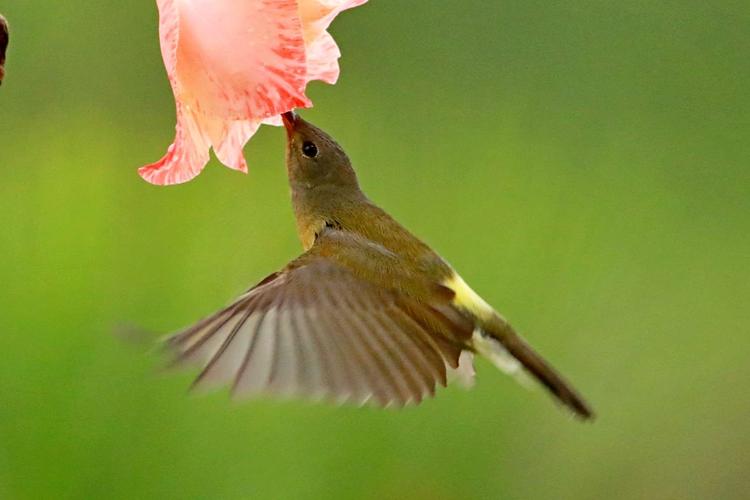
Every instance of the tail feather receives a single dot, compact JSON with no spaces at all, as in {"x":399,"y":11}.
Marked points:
{"x":507,"y":342}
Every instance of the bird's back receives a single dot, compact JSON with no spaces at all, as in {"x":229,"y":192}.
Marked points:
{"x":370,"y":226}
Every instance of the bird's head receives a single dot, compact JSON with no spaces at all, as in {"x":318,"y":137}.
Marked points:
{"x":313,"y":158}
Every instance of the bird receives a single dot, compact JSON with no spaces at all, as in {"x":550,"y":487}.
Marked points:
{"x":367,"y":314}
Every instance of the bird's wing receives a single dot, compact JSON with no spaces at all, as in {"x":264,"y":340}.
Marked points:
{"x":316,"y":329}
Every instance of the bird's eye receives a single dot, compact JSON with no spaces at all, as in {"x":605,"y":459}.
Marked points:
{"x":309,"y":149}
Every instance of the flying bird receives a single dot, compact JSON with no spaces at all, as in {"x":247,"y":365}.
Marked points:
{"x":368,"y":313}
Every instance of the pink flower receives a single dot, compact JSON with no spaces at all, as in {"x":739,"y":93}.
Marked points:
{"x":234,"y":64}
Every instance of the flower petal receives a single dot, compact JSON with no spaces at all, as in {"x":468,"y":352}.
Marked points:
{"x":169,"y":35}
{"x":322,"y":51}
{"x":275,"y":120}
{"x":231,"y":140}
{"x":185,"y":157}
{"x":241,"y":59}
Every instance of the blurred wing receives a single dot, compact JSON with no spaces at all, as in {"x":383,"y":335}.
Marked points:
{"x":317,"y":330}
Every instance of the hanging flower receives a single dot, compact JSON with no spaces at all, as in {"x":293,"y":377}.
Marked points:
{"x":234,"y":64}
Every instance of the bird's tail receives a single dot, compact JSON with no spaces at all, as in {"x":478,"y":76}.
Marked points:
{"x":497,"y":341}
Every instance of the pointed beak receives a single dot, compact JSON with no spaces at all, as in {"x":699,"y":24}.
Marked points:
{"x":290,"y":120}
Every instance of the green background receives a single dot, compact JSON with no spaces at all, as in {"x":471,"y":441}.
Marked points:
{"x":584,"y":165}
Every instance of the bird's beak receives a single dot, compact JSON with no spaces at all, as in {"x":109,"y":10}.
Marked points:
{"x":290,"y":120}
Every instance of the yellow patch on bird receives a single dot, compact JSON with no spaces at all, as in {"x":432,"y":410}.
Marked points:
{"x":468,"y":299}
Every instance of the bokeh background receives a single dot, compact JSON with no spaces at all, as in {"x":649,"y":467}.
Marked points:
{"x":585,"y":165}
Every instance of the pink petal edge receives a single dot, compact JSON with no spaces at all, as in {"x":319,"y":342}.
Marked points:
{"x":215,"y":107}
{"x":322,"y":51}
{"x":185,"y":157}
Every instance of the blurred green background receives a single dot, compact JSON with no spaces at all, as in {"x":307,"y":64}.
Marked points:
{"x":584,"y":165}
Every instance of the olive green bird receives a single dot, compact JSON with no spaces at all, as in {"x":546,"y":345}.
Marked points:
{"x":368,"y":313}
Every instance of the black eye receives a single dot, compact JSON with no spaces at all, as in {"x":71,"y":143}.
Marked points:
{"x":309,"y":149}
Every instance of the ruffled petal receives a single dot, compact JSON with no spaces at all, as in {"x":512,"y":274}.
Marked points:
{"x":185,"y":157}
{"x":322,"y":51}
{"x":231,"y":140}
{"x":323,"y":61}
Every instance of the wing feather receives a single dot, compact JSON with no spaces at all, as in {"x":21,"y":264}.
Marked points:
{"x":407,"y":370}
{"x":255,"y":368}
{"x":402,"y":384}
{"x":366,"y":383}
{"x":232,"y":360}
{"x":388,"y":346}
{"x":422,"y":354}
{"x":317,"y":330}
{"x":286,"y":375}
{"x":314,"y":381}
{"x":337,"y":377}
{"x":379,"y":378}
